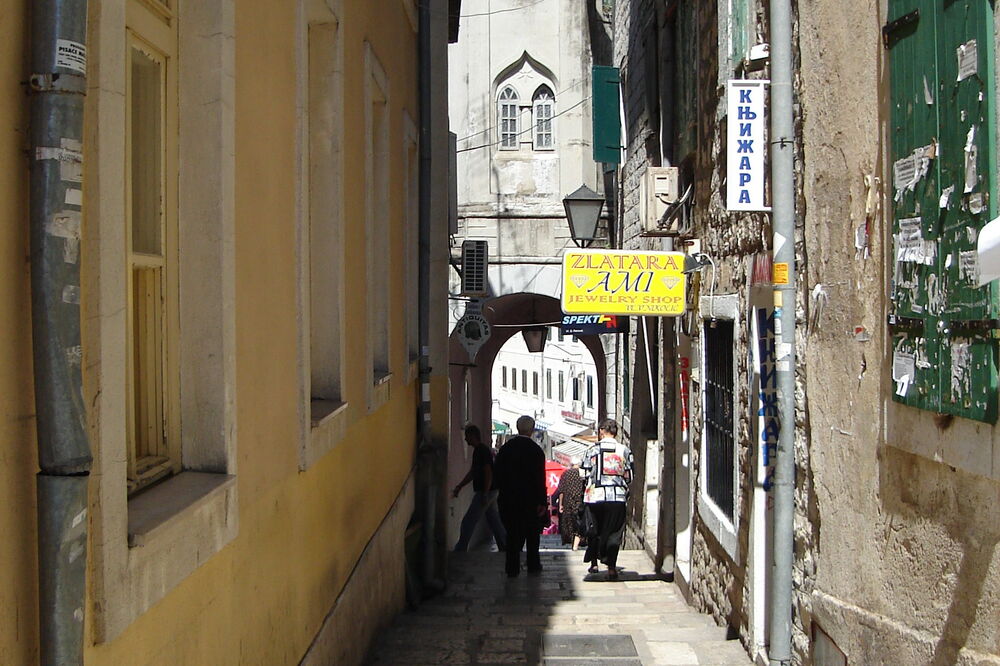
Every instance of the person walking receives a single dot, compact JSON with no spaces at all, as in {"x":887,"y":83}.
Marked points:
{"x":570,"y":494}
{"x":484,"y":499}
{"x":607,"y":466}
{"x":520,"y":478}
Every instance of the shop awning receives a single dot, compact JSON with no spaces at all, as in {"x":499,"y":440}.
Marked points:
{"x":561,"y":431}
{"x":567,"y":451}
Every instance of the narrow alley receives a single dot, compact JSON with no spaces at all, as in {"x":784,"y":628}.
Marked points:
{"x":563,"y":616}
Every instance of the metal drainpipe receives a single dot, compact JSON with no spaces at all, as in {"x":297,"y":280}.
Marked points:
{"x":783,"y":188}
{"x":57,"y":86}
{"x":427,"y":457}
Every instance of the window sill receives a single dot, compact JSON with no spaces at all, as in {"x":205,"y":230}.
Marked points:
{"x":323,"y":411}
{"x":167,"y":533}
{"x":175,"y":501}
{"x":328,"y":427}
{"x":719,"y":525}
{"x":380,"y":391}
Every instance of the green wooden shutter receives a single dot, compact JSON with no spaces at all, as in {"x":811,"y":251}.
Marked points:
{"x":607,"y":115}
{"x":686,"y":106}
{"x":941,"y":332}
{"x":739,"y":26}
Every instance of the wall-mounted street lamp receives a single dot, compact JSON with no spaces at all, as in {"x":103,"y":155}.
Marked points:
{"x":534,"y":338}
{"x":583,"y":210}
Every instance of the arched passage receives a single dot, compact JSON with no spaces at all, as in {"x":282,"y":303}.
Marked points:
{"x":471,"y":381}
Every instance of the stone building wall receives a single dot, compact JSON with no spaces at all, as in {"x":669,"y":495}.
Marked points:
{"x":642,"y":149}
{"x":719,"y":581}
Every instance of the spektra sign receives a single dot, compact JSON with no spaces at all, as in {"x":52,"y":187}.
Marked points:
{"x":618,"y":282}
{"x":746,"y":143}
{"x":592,"y":324}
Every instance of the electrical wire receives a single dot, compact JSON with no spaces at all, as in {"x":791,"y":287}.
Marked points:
{"x":524,"y":131}
{"x":566,"y":89}
{"x":502,"y":11}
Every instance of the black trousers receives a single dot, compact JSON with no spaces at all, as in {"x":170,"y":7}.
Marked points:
{"x":522,"y":527}
{"x":605,"y":537}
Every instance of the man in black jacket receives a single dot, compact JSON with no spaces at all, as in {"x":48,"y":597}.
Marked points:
{"x":520,"y":477}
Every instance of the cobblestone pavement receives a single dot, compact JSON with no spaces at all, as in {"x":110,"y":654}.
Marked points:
{"x":563,"y":616}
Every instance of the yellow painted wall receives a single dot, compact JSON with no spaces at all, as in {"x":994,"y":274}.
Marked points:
{"x":18,"y":458}
{"x":264,"y":596}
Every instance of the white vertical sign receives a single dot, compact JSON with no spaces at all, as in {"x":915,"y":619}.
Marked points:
{"x":746,"y":141}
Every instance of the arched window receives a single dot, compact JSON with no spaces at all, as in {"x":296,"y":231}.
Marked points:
{"x":507,"y":112}
{"x":543,"y":103}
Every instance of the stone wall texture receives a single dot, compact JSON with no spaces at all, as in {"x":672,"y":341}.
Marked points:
{"x":896,"y":525}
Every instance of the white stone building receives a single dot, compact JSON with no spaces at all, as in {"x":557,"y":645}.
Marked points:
{"x":558,"y":387}
{"x":520,"y":107}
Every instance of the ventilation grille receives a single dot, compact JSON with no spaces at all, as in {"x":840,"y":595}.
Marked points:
{"x":475,"y":259}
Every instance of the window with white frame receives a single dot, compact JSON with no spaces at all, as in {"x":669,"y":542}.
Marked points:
{"x":151,"y":193}
{"x":543,"y":105}
{"x":524,"y":381}
{"x":507,"y":110}
{"x":513,"y":379}
{"x":163,"y":376}
{"x":503,"y":371}
{"x":324,"y":203}
{"x":377,"y":221}
{"x":562,"y":387}
{"x":548,"y":384}
{"x":534,"y":383}
{"x":590,"y":391}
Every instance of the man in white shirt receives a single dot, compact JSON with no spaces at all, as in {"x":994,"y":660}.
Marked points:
{"x":608,"y":472}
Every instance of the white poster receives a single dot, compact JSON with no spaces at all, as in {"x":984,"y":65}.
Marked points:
{"x":746,"y":146}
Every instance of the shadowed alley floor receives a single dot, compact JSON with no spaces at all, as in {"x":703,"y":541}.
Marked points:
{"x":563,"y":616}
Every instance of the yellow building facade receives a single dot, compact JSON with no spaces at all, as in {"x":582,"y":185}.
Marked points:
{"x":250,"y":261}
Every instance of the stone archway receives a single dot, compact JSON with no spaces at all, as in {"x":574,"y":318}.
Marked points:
{"x":471,"y":381}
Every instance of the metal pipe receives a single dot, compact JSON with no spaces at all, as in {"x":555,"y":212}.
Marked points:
{"x":783,"y":205}
{"x":428,"y":454}
{"x":57,"y":86}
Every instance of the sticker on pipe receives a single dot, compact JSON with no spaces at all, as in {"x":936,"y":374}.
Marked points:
{"x":71,"y":55}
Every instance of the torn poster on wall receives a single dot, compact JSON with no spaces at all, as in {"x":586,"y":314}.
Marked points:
{"x":910,"y":170}
{"x":968,"y":266}
{"x":961,"y":370}
{"x":910,"y":244}
{"x":968,"y":59}
{"x":904,"y":370}
{"x":971,"y":155}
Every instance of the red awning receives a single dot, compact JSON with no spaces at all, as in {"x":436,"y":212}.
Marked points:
{"x":553,"y":472}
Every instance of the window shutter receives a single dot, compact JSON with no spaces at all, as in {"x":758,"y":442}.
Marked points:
{"x":942,"y":144}
{"x":607,"y":116}
{"x":739,"y":44}
{"x":475,"y":260}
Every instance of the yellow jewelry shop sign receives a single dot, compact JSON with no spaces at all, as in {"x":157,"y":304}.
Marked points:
{"x":619,"y":282}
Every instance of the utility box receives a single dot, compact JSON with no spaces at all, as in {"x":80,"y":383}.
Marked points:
{"x":475,"y":263}
{"x":659,"y":189}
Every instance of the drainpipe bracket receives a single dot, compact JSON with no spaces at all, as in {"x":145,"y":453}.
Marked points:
{"x":58,"y":83}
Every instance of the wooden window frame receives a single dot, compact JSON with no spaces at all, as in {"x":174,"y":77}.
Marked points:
{"x":154,"y":34}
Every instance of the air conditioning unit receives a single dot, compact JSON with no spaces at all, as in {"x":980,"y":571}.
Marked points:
{"x":475,"y":263}
{"x":659,"y":188}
